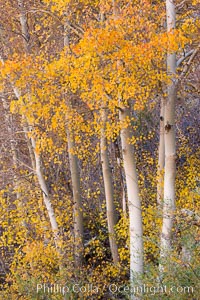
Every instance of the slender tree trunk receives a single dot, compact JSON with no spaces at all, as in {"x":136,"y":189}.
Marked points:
{"x":134,"y":204}
{"x":76,"y":185}
{"x":31,"y":142}
{"x":107,"y":178}
{"x":42,"y":183}
{"x":122,"y":177}
{"x":44,"y":188}
{"x":108,"y":186}
{"x":36,"y":161}
{"x":24,"y":25}
{"x":77,"y":208}
{"x":161,"y":157}
{"x":26,"y":39}
{"x":170,"y":147}
{"x":123,"y":185}
{"x":12,"y":143}
{"x":27,"y":129}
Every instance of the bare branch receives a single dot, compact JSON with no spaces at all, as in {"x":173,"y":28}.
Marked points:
{"x":72,"y":27}
{"x":188,"y":64}
{"x":179,"y":62}
{"x":180,"y":5}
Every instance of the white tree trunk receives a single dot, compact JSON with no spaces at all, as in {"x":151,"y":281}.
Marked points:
{"x":123,"y":185}
{"x":108,"y":186}
{"x":161,"y":158}
{"x":77,"y":208}
{"x":27,"y":129}
{"x":8,"y":120}
{"x":24,"y":25}
{"x":134,"y":204}
{"x":170,"y":147}
{"x":37,"y":164}
{"x":44,"y":188}
{"x":75,"y":177}
{"x":36,"y":160}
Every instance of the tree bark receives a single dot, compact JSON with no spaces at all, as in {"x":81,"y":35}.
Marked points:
{"x":77,"y":208}
{"x":75,"y":177}
{"x":161,"y":157}
{"x":170,"y":147}
{"x":12,"y":144}
{"x":44,"y":189}
{"x":109,"y":193}
{"x":134,"y":203}
{"x":42,"y":183}
{"x":24,"y":25}
{"x":36,"y":160}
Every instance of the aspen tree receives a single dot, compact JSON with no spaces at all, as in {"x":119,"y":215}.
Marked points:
{"x":134,"y":202}
{"x":107,"y":179}
{"x":8,"y":121}
{"x":161,"y":157}
{"x":37,"y":158}
{"x":108,"y":186}
{"x":75,"y":178}
{"x":169,"y":141}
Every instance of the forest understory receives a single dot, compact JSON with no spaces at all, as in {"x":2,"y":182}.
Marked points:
{"x":99,"y":149}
